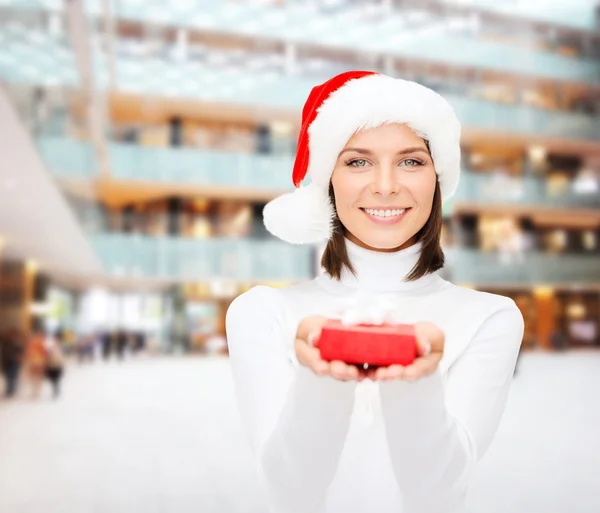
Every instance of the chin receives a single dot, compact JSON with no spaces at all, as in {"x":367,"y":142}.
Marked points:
{"x":384,"y":242}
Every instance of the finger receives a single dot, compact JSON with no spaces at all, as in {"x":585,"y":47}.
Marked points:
{"x":342,"y":371}
{"x":394,"y":372}
{"x":379,"y":374}
{"x":307,"y":355}
{"x":427,"y":332}
{"x":313,"y":338}
{"x":422,"y":367}
{"x":389,"y":373}
{"x":321,"y":368}
{"x":310,"y":357}
{"x":423,"y":346}
{"x":312,"y":329}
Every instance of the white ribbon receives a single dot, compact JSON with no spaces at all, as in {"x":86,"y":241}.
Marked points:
{"x":365,"y":308}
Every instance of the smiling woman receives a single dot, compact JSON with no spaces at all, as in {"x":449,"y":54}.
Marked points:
{"x":383,"y":154}
{"x":386,"y":195}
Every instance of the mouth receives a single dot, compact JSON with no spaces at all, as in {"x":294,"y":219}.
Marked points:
{"x":386,"y":215}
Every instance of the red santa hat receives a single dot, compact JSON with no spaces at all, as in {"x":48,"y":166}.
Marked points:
{"x":333,"y":113}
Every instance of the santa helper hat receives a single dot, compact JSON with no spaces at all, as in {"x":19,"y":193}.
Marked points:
{"x":333,"y":113}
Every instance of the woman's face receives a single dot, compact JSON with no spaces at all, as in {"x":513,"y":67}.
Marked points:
{"x":384,"y":182}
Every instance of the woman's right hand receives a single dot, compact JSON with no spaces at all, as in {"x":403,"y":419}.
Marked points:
{"x":309,"y":355}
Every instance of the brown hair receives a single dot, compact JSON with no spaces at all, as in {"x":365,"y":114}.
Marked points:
{"x":335,"y":257}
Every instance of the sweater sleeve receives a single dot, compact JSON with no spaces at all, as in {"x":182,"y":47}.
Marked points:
{"x":436,"y":435}
{"x":296,"y":421}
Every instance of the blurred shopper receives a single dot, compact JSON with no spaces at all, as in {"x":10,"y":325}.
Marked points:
{"x":86,"y":348}
{"x":558,"y":341}
{"x":54,"y":364}
{"x":35,"y":362}
{"x":106,"y":343}
{"x":12,"y":351}
{"x":329,"y":436}
{"x":122,"y":340}
{"x":139,"y":344}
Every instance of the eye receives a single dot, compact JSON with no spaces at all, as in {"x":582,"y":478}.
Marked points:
{"x":357,"y":163}
{"x":412,"y":163}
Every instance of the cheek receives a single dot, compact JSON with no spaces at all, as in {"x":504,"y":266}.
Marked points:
{"x":346,"y":194}
{"x":423,"y":189}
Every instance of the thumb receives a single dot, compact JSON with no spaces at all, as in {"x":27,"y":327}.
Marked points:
{"x":429,"y":337}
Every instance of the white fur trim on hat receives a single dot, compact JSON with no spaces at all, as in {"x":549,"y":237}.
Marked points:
{"x":301,"y":217}
{"x":373,"y":101}
{"x":306,"y":215}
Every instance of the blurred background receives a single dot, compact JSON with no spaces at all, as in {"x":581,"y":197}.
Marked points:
{"x":139,"y":142}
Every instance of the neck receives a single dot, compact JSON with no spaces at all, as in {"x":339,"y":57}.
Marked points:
{"x":378,"y":271}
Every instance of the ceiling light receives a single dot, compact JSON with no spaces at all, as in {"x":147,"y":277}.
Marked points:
{"x":537,"y":154}
{"x":543,"y":291}
{"x":31,"y":266}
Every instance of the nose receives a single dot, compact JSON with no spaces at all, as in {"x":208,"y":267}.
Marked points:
{"x":385,"y":180}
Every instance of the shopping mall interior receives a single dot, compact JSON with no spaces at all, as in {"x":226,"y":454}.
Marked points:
{"x":141,"y":141}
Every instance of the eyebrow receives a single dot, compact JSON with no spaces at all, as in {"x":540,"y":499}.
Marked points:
{"x":363,"y":151}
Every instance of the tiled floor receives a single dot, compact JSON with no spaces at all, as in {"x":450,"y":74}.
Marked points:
{"x":161,"y":436}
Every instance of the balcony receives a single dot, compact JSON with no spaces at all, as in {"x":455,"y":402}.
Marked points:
{"x":69,"y":158}
{"x":523,"y":190}
{"x":489,"y":269}
{"x":38,"y":58}
{"x":180,"y":259}
{"x":407,"y":33}
{"x":255,"y":260}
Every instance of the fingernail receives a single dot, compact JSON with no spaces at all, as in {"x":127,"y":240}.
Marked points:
{"x":311,"y":339}
{"x":426,"y":348}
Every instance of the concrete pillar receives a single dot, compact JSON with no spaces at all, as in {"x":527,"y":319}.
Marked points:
{"x":291,"y":57}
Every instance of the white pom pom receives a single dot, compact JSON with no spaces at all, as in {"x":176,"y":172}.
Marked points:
{"x":300,"y":217}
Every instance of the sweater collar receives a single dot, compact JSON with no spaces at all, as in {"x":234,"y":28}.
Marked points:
{"x":378,"y":271}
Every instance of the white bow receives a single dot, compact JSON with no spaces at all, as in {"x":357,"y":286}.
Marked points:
{"x":365,"y":308}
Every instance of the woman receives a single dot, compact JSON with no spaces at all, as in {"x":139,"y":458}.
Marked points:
{"x":382,"y":154}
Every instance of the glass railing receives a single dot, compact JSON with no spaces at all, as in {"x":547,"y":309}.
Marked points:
{"x":523,"y":190}
{"x":33,"y":55}
{"x":201,"y":167}
{"x":175,"y":258}
{"x":69,"y":158}
{"x":280,"y":91}
{"x":579,"y":14}
{"x":399,"y":33}
{"x":474,"y":267}
{"x":49,"y":62}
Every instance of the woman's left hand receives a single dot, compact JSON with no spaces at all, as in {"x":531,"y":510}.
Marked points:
{"x":430,"y":348}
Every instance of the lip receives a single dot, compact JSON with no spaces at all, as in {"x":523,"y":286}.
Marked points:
{"x":386,"y":220}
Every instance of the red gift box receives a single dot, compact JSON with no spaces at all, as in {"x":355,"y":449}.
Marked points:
{"x":375,"y":345}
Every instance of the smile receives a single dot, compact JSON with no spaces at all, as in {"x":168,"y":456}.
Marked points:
{"x":386,"y":216}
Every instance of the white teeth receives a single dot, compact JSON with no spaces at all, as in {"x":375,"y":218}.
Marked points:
{"x":385,"y":213}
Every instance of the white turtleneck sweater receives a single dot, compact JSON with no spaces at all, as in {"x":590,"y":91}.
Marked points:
{"x":328,"y":446}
